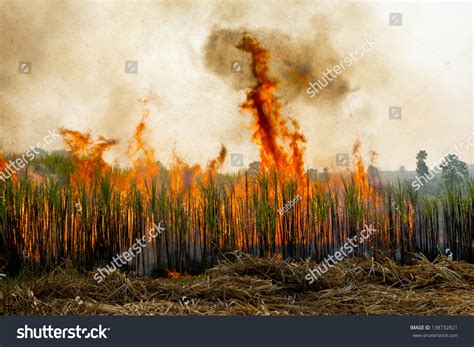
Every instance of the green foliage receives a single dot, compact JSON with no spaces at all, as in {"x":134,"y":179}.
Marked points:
{"x":454,"y":171}
{"x":54,"y":165}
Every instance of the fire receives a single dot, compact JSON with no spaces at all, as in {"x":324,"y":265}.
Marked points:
{"x":215,"y":164}
{"x":87,"y":153}
{"x":206,"y":212}
{"x":140,"y":152}
{"x":359,"y":175}
{"x":3,"y":162}
{"x":279,"y":138}
{"x":280,"y":147}
{"x":183,"y":175}
{"x":176,"y":275}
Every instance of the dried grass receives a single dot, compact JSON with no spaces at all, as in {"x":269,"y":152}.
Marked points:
{"x":244,"y":285}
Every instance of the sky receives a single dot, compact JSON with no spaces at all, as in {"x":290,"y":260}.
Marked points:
{"x":76,"y":54}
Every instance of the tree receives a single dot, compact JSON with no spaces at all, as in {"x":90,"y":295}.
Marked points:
{"x":421,"y":167}
{"x":453,"y":170}
{"x":402,"y":169}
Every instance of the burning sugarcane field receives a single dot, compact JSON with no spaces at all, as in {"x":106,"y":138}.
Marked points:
{"x":234,"y":159}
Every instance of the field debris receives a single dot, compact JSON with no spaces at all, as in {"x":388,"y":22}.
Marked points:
{"x":245,"y":285}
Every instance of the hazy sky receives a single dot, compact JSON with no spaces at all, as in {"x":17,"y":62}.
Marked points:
{"x":78,"y":51}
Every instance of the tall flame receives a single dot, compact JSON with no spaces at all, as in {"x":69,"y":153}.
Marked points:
{"x":280,"y":147}
{"x":140,"y":152}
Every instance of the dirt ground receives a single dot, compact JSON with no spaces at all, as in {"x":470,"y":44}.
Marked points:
{"x":243,"y":285}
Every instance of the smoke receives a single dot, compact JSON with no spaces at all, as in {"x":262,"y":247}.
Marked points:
{"x":25,"y":32}
{"x":302,"y":55}
{"x":70,"y":77}
{"x":294,"y":63}
{"x":185,"y":53}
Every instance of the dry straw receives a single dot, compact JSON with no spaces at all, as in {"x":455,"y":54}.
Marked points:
{"x":245,"y":285}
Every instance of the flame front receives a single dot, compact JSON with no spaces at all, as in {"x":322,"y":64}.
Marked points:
{"x":206,"y":213}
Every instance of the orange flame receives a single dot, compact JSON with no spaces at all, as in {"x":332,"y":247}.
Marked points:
{"x":87,"y":153}
{"x":271,"y":132}
{"x":359,"y":176}
{"x":3,"y":162}
{"x":216,"y":163}
{"x":142,"y":154}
